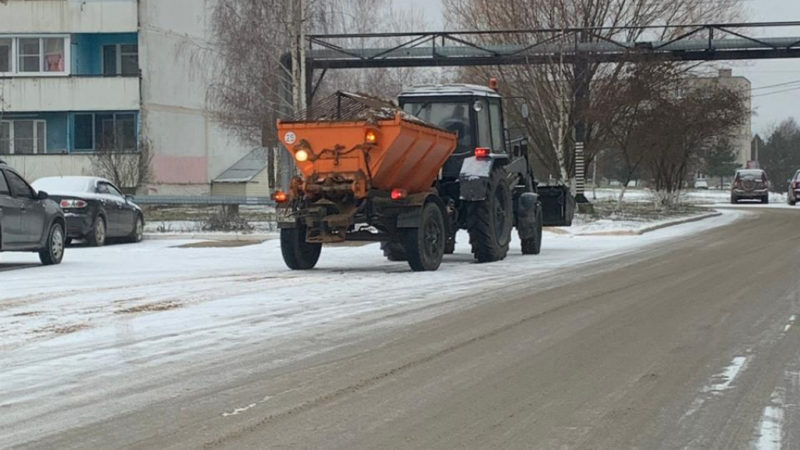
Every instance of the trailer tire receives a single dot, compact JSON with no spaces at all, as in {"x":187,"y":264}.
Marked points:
{"x":533,"y":246}
{"x":490,"y":228}
{"x":424,"y":246}
{"x":393,"y":251}
{"x":297,"y":253}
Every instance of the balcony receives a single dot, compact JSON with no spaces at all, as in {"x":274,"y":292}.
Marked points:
{"x":43,"y":94}
{"x":64,"y":16}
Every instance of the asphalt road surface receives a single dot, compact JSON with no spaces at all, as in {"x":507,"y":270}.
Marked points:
{"x":687,"y":344}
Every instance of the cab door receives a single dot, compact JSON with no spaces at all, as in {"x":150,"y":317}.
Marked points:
{"x":10,"y":212}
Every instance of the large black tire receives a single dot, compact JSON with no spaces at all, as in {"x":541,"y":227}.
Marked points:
{"x":297,"y":253}
{"x":138,"y":230}
{"x":490,"y":227}
{"x":792,"y":202}
{"x":765,"y":199}
{"x":734,"y":200}
{"x":97,"y":235}
{"x":54,"y":251}
{"x":424,"y":246}
{"x":393,"y":251}
{"x":533,"y":246}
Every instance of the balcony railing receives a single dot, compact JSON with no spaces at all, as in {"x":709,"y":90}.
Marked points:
{"x":75,"y":93}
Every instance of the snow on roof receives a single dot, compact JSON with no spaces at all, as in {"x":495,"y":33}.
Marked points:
{"x":244,"y":170}
{"x":450,"y":89}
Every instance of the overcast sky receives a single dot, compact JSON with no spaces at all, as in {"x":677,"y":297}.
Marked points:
{"x":770,"y":106}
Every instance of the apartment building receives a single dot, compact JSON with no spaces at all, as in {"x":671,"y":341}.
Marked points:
{"x":77,"y":76}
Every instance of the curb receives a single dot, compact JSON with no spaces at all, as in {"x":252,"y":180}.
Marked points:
{"x":211,"y":237}
{"x":678,"y":222}
{"x":640,"y":231}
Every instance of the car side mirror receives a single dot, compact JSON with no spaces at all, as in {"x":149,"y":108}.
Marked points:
{"x":129,"y":197}
{"x":42,"y":195}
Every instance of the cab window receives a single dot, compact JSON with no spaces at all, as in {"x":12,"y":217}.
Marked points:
{"x":498,"y":140}
{"x":484,"y":128}
{"x":452,"y":116}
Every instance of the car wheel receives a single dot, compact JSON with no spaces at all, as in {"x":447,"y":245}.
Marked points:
{"x":734,"y":200}
{"x":792,"y":202}
{"x":138,"y":230}
{"x":97,"y":237}
{"x":54,"y":251}
{"x":765,"y":199}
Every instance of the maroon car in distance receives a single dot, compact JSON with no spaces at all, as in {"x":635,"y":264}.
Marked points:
{"x":793,"y":194}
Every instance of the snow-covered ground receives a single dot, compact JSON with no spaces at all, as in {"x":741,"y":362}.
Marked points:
{"x":125,"y":308}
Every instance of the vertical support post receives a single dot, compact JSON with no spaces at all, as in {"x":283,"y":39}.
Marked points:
{"x":580,"y":175}
{"x":581,"y":90}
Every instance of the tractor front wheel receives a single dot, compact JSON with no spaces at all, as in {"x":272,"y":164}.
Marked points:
{"x":490,"y":229}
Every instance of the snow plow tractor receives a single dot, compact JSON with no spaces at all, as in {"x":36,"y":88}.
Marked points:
{"x":408,"y":177}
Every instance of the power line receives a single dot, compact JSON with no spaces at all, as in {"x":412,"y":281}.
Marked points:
{"x":788,"y":83}
{"x":777,"y":92}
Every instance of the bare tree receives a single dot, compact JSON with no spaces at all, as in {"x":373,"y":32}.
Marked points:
{"x":555,"y":92}
{"x":681,"y":125}
{"x":128,"y":170}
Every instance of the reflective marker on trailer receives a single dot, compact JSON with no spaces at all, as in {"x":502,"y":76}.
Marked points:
{"x":399,"y":194}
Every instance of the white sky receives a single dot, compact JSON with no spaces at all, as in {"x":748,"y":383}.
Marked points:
{"x":769,"y":109}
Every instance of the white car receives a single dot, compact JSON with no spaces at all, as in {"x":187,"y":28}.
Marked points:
{"x":700,"y":183}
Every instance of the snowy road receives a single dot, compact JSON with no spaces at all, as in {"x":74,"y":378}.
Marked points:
{"x":165,"y":344}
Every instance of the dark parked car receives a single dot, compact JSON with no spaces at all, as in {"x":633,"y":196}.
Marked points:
{"x":794,"y":189}
{"x":29,"y":220}
{"x":95,"y":209}
{"x":750,"y":184}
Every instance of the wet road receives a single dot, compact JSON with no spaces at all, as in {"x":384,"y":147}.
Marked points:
{"x":692,"y":343}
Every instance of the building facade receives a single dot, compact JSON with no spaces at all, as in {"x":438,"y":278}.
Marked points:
{"x":743,"y":135}
{"x":78,"y":76}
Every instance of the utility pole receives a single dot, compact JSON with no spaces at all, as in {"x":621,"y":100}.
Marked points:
{"x":297,"y":61}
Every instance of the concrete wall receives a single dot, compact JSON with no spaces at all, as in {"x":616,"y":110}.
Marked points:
{"x":33,"y":167}
{"x":71,"y":16}
{"x":191,"y":148}
{"x":35,"y":94}
{"x":258,"y":187}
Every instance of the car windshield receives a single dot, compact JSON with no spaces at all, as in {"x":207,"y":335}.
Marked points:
{"x":55,"y":185}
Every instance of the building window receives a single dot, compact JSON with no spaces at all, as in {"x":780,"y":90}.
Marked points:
{"x":34,"y":55}
{"x":5,"y":54}
{"x":121,"y":59}
{"x":105,"y":131}
{"x":23,"y":137}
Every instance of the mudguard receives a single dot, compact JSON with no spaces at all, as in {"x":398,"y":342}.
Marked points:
{"x":526,"y":214}
{"x":474,"y":178}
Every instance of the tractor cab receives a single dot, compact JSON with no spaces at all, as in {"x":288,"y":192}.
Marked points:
{"x":474,"y":112}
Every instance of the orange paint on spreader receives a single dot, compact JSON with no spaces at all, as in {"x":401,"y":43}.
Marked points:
{"x":406,"y":155}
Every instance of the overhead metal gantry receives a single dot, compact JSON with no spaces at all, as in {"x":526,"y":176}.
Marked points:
{"x":576,"y":46}
{"x":703,"y":42}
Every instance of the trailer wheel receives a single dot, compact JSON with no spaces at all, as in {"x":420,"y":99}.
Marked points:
{"x":490,"y":231}
{"x":533,"y":245}
{"x":393,"y":251}
{"x":297,"y":253}
{"x":424,"y":246}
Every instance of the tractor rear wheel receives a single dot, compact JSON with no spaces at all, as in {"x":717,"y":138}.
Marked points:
{"x":424,"y":246}
{"x":393,"y":251}
{"x":297,"y":253}
{"x":490,"y":228}
{"x":533,"y":245}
